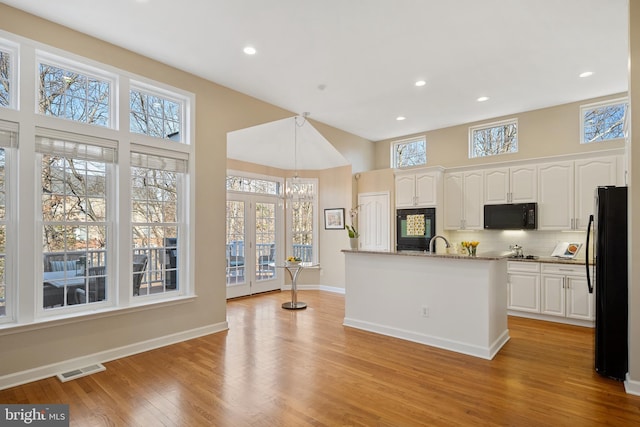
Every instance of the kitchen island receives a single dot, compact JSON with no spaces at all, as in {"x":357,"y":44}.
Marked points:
{"x":455,"y":302}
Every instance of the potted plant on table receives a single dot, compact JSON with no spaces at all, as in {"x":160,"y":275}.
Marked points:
{"x":351,"y":229}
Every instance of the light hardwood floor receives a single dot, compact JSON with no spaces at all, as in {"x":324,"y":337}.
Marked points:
{"x":294,"y":368}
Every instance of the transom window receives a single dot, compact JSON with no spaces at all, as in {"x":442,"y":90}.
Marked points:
{"x":493,"y":139}
{"x":5,"y":78}
{"x":74,"y":95}
{"x":602,"y":121}
{"x":407,"y":153}
{"x":155,"y":115}
{"x":252,"y":185}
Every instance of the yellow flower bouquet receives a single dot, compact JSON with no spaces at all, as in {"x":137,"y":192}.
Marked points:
{"x":470,"y":247}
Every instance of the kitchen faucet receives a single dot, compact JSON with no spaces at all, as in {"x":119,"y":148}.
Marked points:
{"x":432,"y":242}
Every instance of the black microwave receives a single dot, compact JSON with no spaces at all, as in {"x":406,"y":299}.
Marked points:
{"x":514,"y":216}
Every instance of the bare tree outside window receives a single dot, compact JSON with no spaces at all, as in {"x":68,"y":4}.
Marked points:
{"x":154,"y":115}
{"x":409,"y":153}
{"x":493,"y":139}
{"x":70,"y":95}
{"x":154,"y":210}
{"x":603,"y":122}
{"x":5,"y":83}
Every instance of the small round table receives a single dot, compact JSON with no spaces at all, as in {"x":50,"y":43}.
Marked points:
{"x":294,"y":270}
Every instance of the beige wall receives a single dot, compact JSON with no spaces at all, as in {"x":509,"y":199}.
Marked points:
{"x":634,"y":195}
{"x":219,"y":110}
{"x":545,"y":132}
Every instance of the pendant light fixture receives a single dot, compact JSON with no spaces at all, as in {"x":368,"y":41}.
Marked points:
{"x":297,"y":189}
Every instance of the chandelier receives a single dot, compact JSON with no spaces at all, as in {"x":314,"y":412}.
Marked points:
{"x":296,"y":188}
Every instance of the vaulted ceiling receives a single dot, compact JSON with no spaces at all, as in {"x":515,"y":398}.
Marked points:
{"x":354,"y":64}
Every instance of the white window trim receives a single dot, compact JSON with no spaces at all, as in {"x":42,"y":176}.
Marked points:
{"x":81,"y":68}
{"x":12,"y":235}
{"x":394,"y":144}
{"x":483,"y":126}
{"x":591,"y":106}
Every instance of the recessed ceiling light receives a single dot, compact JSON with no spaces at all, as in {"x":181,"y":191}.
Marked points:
{"x":483,"y":98}
{"x":421,"y":83}
{"x":400,"y":118}
{"x":249,"y":50}
{"x":586,"y":74}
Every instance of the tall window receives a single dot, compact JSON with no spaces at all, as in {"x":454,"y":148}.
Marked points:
{"x":75,"y":180}
{"x":156,"y":181}
{"x":154,"y":115}
{"x":303,"y":220}
{"x":603,"y":121}
{"x":74,"y":95}
{"x":8,"y":140}
{"x":493,"y":139}
{"x":407,"y":153}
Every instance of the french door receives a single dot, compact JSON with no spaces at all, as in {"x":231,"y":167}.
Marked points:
{"x":253,"y":241}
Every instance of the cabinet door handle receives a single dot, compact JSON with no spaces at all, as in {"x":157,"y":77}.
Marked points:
{"x":563,"y":283}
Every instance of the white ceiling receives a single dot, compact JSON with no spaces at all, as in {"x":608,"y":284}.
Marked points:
{"x":291,"y":143}
{"x":352,"y":64}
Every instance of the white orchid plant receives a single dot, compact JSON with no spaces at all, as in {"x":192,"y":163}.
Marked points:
{"x":351,"y":229}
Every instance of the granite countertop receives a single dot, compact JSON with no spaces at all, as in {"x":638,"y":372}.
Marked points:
{"x":487,"y":256}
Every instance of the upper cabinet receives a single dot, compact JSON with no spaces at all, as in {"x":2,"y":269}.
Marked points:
{"x":419,"y":188}
{"x":463,"y":200}
{"x":510,"y":185}
{"x":566,"y":191}
{"x":555,"y":196}
{"x":590,"y":174}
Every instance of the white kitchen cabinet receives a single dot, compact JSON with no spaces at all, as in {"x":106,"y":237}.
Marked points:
{"x":566,"y":191}
{"x":516,"y":184}
{"x":523,"y":286}
{"x":590,"y":174}
{"x":555,"y":196}
{"x":463,"y":200}
{"x":417,"y":189}
{"x":564,"y":292}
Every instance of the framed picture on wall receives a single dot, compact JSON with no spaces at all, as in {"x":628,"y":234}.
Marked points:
{"x":334,"y":219}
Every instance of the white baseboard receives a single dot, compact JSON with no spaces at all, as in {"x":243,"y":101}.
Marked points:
{"x":555,"y":319}
{"x":325,"y":288}
{"x":41,"y":372}
{"x":459,"y":347}
{"x":632,"y":386}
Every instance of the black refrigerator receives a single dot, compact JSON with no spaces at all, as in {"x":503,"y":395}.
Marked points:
{"x":611,"y":280}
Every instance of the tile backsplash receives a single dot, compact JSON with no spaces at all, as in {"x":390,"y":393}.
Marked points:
{"x":534,"y":242}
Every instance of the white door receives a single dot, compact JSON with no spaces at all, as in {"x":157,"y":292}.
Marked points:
{"x":580,"y":303}
{"x":590,"y":174}
{"x":374,"y":221}
{"x":253,"y":243}
{"x":453,"y":200}
{"x":405,"y":191}
{"x":496,"y":186}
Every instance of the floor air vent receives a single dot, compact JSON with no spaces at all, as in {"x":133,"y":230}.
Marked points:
{"x":82,"y":372}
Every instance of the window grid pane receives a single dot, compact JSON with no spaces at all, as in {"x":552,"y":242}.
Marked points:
{"x":74,"y":96}
{"x":5,"y":80}
{"x":499,"y":138}
{"x":155,"y":116}
{"x":74,"y":213}
{"x":603,"y":123}
{"x":155,"y":230}
{"x":410,"y":153}
{"x":302,"y":230}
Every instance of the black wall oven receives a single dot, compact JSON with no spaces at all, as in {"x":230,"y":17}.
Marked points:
{"x":415,"y":228}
